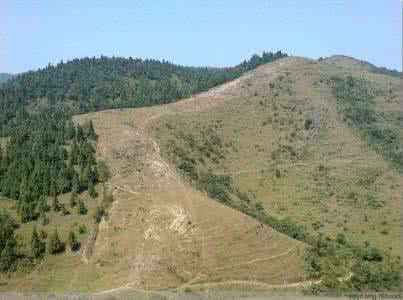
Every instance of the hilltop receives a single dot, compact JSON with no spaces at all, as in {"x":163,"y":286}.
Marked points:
{"x":93,"y":84}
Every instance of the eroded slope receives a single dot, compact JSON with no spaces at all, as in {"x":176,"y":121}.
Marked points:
{"x":160,"y":232}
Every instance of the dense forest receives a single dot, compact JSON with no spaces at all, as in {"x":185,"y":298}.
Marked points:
{"x":92,"y":84}
{"x":46,"y":155}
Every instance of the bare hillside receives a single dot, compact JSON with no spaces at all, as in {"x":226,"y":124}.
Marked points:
{"x":162,"y":233}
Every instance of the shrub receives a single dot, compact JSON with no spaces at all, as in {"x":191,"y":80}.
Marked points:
{"x":373,"y":254}
{"x":82,"y":229}
{"x":309,"y":124}
{"x":381,"y":276}
{"x":217,"y":186}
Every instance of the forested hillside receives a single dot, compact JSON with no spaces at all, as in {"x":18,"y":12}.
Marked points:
{"x":46,"y":155}
{"x":92,"y":84}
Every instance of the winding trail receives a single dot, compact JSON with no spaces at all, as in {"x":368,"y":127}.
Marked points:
{"x":258,"y":259}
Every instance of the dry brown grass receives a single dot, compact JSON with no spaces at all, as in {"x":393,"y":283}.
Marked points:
{"x":263,"y":117}
{"x":160,"y":233}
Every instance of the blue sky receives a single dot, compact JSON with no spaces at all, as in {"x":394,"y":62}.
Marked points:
{"x":215,"y":33}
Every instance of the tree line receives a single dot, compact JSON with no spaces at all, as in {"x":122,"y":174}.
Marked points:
{"x":92,"y":84}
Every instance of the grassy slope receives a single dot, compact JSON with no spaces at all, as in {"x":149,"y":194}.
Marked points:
{"x":54,"y":273}
{"x":160,"y":233}
{"x":328,"y":178}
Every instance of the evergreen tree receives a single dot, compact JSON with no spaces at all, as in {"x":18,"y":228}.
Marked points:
{"x":8,"y":243}
{"x":91,"y":188}
{"x":42,"y":205}
{"x":79,"y":133}
{"x":26,"y":211}
{"x":55,"y":204}
{"x":73,"y":243}
{"x":8,"y":255}
{"x":44,"y":219}
{"x":73,"y":200}
{"x":55,"y":244}
{"x":81,"y":209}
{"x":38,"y":246}
{"x":90,"y":131}
{"x":76,"y":184}
{"x":99,"y":213}
{"x":70,"y":130}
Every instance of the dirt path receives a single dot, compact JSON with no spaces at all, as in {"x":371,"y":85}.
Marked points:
{"x":258,"y":259}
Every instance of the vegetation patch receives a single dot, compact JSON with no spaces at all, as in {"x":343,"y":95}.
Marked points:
{"x":356,"y":103}
{"x":46,"y":156}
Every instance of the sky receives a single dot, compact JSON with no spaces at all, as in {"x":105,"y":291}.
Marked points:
{"x":205,"y":32}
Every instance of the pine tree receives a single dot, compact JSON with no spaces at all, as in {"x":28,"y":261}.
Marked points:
{"x":8,"y":243}
{"x":38,"y":246}
{"x":91,"y":132}
{"x":8,"y":256}
{"x":44,"y":219}
{"x":91,"y":189}
{"x":70,"y":130}
{"x":73,"y":200}
{"x":72,"y":241}
{"x":79,"y":133}
{"x":81,"y":209}
{"x":43,"y":205}
{"x":55,"y":244}
{"x":53,"y":185}
{"x":55,"y":204}
{"x":76,"y":184}
{"x":27,"y":212}
{"x":74,"y":152}
{"x":99,"y":213}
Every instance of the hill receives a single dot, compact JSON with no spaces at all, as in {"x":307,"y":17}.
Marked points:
{"x":350,"y":61}
{"x":318,"y":146}
{"x":92,"y":84}
{"x":285,"y":178}
{"x":160,"y":233}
